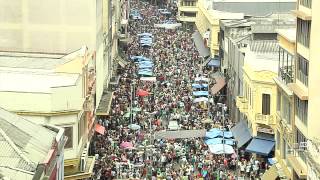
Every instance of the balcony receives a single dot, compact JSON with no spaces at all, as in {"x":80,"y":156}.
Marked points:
{"x":186,"y":18}
{"x":242,"y":104}
{"x":286,"y":74}
{"x":265,"y":119}
{"x":188,"y":8}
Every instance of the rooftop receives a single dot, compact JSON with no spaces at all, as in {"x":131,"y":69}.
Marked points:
{"x":254,"y":7}
{"x":23,"y":145}
{"x":36,"y":60}
{"x":263,"y":56}
{"x":289,"y":34}
{"x":34,"y":82}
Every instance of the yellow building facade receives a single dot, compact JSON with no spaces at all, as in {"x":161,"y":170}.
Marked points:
{"x":305,"y":86}
{"x":285,"y":100}
{"x":260,"y":98}
{"x":187,"y":12}
{"x":208,"y":24}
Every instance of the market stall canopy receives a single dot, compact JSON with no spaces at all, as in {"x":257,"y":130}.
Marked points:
{"x":126,"y":145}
{"x":200,"y":93}
{"x":146,"y":34}
{"x":141,"y":92}
{"x":134,"y":127}
{"x":199,"y":85}
{"x":145,"y":73}
{"x":151,"y":79}
{"x":207,"y":120}
{"x":168,"y":25}
{"x":199,"y":43}
{"x":200,"y":99}
{"x":173,"y":125}
{"x":215,"y":132}
{"x":100,"y":129}
{"x":181,"y":134}
{"x":202,"y":79}
{"x":219,"y":141}
{"x":221,"y":149}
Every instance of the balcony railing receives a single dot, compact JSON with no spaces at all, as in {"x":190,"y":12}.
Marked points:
{"x":286,"y":74}
{"x":265,"y":119}
{"x":242,"y":104}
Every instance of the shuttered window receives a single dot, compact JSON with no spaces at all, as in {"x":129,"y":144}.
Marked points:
{"x":266,"y":104}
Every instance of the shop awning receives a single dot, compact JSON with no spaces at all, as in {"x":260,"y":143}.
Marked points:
{"x":99,"y":129}
{"x":198,"y":41}
{"x":214,"y":62}
{"x":220,"y":83}
{"x":105,"y":104}
{"x":87,"y":173}
{"x":260,"y":146}
{"x":271,"y":173}
{"x":241,"y":133}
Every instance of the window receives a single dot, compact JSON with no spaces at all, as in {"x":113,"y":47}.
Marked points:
{"x":266,"y":104}
{"x":303,"y":32}
{"x":300,"y":138}
{"x":303,"y":70}
{"x":68,"y":131}
{"x":285,"y":66}
{"x":301,"y":108}
{"x":286,"y":110}
{"x":189,"y":14}
{"x":278,"y":100}
{"x":306,"y":3}
{"x":81,"y":126}
{"x":284,"y":149}
{"x":278,"y":140}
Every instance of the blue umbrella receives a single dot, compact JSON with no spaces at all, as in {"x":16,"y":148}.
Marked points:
{"x":199,"y":85}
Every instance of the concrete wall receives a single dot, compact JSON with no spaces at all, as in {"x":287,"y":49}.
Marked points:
{"x":52,"y":26}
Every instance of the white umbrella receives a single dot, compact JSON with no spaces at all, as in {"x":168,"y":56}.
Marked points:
{"x":200,"y":99}
{"x":134,"y":126}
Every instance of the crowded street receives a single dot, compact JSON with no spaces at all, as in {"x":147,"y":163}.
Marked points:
{"x":163,"y":90}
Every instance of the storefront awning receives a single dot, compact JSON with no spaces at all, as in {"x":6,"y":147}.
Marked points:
{"x":271,"y":173}
{"x":220,"y":83}
{"x":241,"y":133}
{"x":198,"y":41}
{"x":105,"y":104}
{"x":260,"y":146}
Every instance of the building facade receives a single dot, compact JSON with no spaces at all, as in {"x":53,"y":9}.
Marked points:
{"x":305,"y":85}
{"x":29,"y":150}
{"x":285,"y":110}
{"x":55,"y":90}
{"x":187,"y":12}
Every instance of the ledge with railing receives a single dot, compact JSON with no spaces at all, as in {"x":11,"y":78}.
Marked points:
{"x":265,"y":119}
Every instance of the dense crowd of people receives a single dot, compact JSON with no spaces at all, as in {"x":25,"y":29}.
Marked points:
{"x":135,"y":153}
